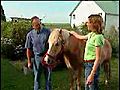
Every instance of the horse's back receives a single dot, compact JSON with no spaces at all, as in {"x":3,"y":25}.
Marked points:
{"x":106,"y":51}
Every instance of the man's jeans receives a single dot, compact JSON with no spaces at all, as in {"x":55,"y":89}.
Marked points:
{"x":38,"y":68}
{"x":88,"y":68}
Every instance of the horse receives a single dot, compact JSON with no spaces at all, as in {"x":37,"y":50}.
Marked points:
{"x":62,"y":42}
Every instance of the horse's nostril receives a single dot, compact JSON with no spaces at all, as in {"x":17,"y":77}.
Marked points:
{"x":48,"y":61}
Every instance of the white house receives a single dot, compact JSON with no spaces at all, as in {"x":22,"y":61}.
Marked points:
{"x":108,"y":9}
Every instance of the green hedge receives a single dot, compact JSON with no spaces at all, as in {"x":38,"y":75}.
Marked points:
{"x":12,"y":35}
{"x":113,"y":36}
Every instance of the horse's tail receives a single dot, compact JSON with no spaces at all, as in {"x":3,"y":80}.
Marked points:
{"x":106,"y":62}
{"x":107,"y":70}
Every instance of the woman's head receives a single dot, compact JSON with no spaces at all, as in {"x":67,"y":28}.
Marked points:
{"x":95,"y":23}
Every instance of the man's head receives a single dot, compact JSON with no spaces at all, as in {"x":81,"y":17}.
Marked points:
{"x":36,"y":23}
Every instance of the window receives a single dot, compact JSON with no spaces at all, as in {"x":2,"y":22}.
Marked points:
{"x":100,"y":14}
{"x":74,"y":16}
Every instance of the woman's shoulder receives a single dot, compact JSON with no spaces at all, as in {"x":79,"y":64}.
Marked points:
{"x":99,"y":36}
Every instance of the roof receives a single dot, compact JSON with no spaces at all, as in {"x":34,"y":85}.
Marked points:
{"x":107,"y":6}
{"x":21,"y":18}
{"x":75,"y":8}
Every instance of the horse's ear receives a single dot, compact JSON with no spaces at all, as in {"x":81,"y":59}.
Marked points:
{"x":60,"y":30}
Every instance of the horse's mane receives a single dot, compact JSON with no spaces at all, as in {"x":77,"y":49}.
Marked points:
{"x":65,"y":33}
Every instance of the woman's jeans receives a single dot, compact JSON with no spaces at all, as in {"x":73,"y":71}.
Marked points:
{"x":38,"y":68}
{"x":88,"y":68}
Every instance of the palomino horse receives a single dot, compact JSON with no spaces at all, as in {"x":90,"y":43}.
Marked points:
{"x":62,"y":42}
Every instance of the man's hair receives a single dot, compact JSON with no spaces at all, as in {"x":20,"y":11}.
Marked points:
{"x":34,"y":17}
{"x":97,"y":22}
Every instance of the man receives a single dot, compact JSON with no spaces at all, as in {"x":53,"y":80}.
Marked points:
{"x":37,"y":40}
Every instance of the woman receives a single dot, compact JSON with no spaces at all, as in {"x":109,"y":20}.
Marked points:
{"x":94,"y":44}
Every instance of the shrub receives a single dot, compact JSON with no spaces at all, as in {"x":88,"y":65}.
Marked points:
{"x":6,"y":29}
{"x":19,"y":32}
{"x":7,"y":48}
{"x":113,"y":36}
{"x":83,"y":29}
{"x":16,"y":33}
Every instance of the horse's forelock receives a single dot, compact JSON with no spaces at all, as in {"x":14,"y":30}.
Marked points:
{"x":57,"y":31}
{"x":53,"y":36}
{"x":65,"y":34}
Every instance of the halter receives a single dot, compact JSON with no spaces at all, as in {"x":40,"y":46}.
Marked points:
{"x":53,"y":57}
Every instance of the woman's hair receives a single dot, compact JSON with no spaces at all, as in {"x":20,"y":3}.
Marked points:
{"x":97,"y":22}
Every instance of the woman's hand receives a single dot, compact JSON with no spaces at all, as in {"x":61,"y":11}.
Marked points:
{"x":78,"y":35}
{"x":90,"y":79}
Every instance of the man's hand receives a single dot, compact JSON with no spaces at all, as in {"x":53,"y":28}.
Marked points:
{"x":29,"y":65}
{"x":29,"y":54}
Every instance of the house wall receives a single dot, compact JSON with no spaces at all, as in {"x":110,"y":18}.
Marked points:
{"x":112,"y":20}
{"x":85,"y":9}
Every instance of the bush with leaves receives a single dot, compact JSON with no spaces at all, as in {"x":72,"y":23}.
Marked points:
{"x":19,"y":32}
{"x":7,"y":48}
{"x":83,"y":29}
{"x":6,"y":29}
{"x":113,"y":36}
{"x":16,"y":32}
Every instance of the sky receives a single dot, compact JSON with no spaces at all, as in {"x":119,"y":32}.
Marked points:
{"x":49,"y":11}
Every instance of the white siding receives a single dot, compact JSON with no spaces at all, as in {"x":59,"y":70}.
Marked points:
{"x":85,"y":9}
{"x":112,"y":20}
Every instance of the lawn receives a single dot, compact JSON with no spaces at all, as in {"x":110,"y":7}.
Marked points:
{"x":13,"y":78}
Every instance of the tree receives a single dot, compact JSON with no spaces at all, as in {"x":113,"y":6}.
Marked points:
{"x":3,"y":18}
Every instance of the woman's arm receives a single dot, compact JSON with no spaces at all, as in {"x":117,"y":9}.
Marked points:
{"x":78,"y":36}
{"x":95,"y":66}
{"x":97,"y":61}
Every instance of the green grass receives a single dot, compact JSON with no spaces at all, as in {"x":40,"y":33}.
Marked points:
{"x":13,"y":78}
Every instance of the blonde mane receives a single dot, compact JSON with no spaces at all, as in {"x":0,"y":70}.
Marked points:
{"x":55,"y":33}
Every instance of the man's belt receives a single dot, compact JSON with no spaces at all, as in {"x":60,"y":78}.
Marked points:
{"x":41,"y":54}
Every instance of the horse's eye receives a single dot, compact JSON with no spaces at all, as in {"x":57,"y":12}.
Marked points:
{"x":56,"y":44}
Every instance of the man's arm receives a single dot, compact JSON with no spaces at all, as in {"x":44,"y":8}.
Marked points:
{"x":29,"y":54}
{"x":28,"y":45}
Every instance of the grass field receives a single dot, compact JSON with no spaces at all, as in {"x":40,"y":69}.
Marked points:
{"x":13,"y":78}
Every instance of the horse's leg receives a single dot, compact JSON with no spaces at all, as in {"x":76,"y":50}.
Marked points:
{"x":79,"y":78}
{"x":71,"y":80}
{"x":71,"y":71}
{"x":107,"y":72}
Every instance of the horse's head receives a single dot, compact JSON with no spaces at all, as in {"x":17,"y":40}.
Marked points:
{"x":56,"y":46}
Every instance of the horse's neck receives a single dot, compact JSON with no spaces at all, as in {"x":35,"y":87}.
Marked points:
{"x":65,"y":34}
{"x":71,"y":42}
{"x":74,"y":45}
